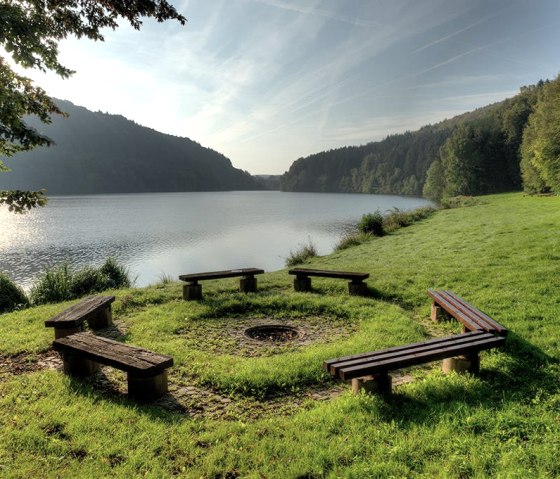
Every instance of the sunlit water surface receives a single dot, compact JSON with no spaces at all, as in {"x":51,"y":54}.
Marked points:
{"x":177,"y":233}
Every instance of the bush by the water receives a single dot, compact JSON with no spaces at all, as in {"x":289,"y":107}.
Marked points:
{"x":61,"y":283}
{"x":301,"y":255}
{"x":11,"y":295}
{"x":372,"y":223}
{"x":375,"y":224}
{"x":399,"y":219}
{"x":351,"y":238}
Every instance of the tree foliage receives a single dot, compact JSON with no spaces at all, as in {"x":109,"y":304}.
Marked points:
{"x":541,"y":143}
{"x":473,"y":153}
{"x":30,"y":31}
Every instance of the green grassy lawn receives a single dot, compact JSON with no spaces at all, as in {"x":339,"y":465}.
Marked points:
{"x":241,"y":411}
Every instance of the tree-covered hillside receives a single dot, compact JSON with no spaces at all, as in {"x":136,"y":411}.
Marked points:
{"x":474,"y":153}
{"x":102,"y":153}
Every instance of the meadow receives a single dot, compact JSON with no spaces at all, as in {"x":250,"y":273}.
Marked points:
{"x":240,"y":409}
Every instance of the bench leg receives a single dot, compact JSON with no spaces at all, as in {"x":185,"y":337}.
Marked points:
{"x":439,"y":314}
{"x":358,"y":288}
{"x":76,"y":365}
{"x":63,"y":332}
{"x":460,"y":364}
{"x":192,"y":292}
{"x":248,"y":284}
{"x":377,"y":384}
{"x":101,"y":319}
{"x":147,"y":387}
{"x":302,"y":284}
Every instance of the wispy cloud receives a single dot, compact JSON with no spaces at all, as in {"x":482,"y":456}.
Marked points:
{"x":315,"y":11}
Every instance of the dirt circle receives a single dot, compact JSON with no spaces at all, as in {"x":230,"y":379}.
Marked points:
{"x":229,"y":335}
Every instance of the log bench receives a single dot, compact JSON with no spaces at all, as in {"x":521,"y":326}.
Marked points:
{"x":83,"y":354}
{"x":370,"y":371}
{"x":96,"y":310}
{"x":193,"y":290}
{"x":356,"y":286}
{"x":447,"y":304}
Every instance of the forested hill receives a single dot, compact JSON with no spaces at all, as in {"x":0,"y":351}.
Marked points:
{"x":480,"y":149}
{"x":102,"y":153}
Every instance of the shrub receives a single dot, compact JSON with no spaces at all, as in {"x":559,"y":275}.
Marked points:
{"x":60,"y":283}
{"x":372,"y":223}
{"x":11,"y":295}
{"x":53,"y":286}
{"x":88,"y":280}
{"x":301,"y":255}
{"x":117,"y":274}
{"x":351,"y":238}
{"x":399,"y":219}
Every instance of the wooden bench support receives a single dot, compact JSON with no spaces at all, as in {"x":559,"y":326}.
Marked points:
{"x":461,"y":364}
{"x":302,"y":284}
{"x":439,"y":314}
{"x":248,"y":284}
{"x":381,"y":384}
{"x":76,"y":365}
{"x":146,"y":387}
{"x":193,"y":291}
{"x":83,"y":354}
{"x":356,"y":288}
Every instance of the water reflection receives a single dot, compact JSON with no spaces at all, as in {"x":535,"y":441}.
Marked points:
{"x":175,"y":233}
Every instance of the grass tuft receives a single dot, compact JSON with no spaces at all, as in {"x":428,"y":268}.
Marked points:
{"x":301,"y":255}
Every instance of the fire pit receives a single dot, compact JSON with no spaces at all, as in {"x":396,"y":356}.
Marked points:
{"x":276,"y":333}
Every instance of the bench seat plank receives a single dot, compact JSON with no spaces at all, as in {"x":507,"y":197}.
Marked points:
{"x":475,"y":312}
{"x":333,"y":365}
{"x":349,"y":275}
{"x":230,"y":273}
{"x":452,"y":347}
{"x":141,"y":362}
{"x":472,"y":318}
{"x":75,"y":315}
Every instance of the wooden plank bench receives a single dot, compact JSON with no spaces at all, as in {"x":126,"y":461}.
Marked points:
{"x":96,"y":310}
{"x":193,"y":290}
{"x":356,"y":286}
{"x":83,"y":354}
{"x":370,"y":371}
{"x":448,"y":304}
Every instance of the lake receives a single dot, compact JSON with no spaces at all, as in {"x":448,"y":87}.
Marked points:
{"x":160,"y":234}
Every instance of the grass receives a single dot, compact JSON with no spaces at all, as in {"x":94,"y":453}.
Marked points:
{"x":502,"y":254}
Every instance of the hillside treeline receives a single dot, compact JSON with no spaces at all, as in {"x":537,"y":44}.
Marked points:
{"x":474,"y":153}
{"x":102,"y":153}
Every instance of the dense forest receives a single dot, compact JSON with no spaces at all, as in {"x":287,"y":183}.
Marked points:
{"x":102,"y":153}
{"x":484,"y":151}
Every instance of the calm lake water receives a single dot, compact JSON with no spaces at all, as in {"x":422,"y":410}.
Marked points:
{"x":178,"y":233}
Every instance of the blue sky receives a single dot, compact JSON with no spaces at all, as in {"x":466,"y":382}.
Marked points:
{"x":268,"y":81}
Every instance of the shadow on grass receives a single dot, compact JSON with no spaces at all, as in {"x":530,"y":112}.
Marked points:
{"x":100,"y":388}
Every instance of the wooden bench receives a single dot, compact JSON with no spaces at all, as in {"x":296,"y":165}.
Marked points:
{"x":96,"y":310}
{"x":83,"y":354}
{"x":356,"y":286}
{"x":193,"y":290}
{"x":370,"y":370}
{"x":447,"y":304}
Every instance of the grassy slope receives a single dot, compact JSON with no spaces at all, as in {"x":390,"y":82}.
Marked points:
{"x":503,"y":256}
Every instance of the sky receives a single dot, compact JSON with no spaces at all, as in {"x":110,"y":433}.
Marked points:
{"x":266,"y":82}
